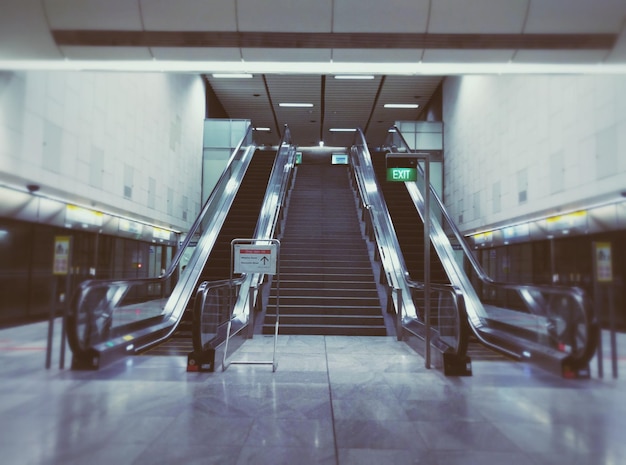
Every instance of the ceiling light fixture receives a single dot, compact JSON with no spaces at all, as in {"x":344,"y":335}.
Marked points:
{"x":354,"y":76}
{"x":295,"y":105}
{"x":342,"y":129}
{"x":232,"y":75}
{"x":401,"y":105}
{"x":262,"y":129}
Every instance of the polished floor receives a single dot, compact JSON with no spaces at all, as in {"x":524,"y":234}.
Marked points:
{"x":332,"y":400}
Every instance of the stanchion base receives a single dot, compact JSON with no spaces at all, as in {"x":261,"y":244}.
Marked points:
{"x":201,"y":362}
{"x":457,"y":366}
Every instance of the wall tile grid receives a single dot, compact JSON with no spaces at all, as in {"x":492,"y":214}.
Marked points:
{"x":57,"y":125}
{"x":561,"y":139}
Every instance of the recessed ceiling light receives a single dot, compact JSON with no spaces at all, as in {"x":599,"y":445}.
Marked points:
{"x":232,"y":75}
{"x":296,"y":105}
{"x":354,"y":76}
{"x":342,"y":129}
{"x":401,"y":105}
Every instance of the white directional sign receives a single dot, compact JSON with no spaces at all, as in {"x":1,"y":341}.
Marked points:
{"x":255,"y":258}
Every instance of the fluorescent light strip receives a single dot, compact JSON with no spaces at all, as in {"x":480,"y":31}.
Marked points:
{"x":342,"y":129}
{"x":401,"y":105}
{"x":354,"y":76}
{"x":295,"y":105}
{"x":262,"y":129}
{"x":232,"y":75}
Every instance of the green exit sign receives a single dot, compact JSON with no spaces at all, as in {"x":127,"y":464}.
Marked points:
{"x":401,"y":174}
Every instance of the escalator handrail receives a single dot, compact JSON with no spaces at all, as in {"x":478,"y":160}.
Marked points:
{"x":282,"y":171}
{"x":387,"y":243}
{"x":83,"y":288}
{"x":480,"y":271}
{"x":576,"y":293}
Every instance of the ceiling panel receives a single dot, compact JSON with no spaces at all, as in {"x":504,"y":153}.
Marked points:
{"x":189,"y":15}
{"x":286,"y":54}
{"x":377,"y":16}
{"x":348,"y":103}
{"x":477,"y":16}
{"x":196,"y":53}
{"x":401,"y":89}
{"x":618,"y":54}
{"x":379,"y":56}
{"x":559,"y":56}
{"x":247,"y":99}
{"x":24,"y":33}
{"x":303,"y":122}
{"x":106,"y":53}
{"x":467,"y":56}
{"x":93,"y":14}
{"x":575,"y":16}
{"x":285,"y":15}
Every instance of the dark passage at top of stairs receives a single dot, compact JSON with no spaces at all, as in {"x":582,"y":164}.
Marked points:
{"x":327,"y":286}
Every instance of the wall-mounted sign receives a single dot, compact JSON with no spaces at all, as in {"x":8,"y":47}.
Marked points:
{"x":162,"y":234}
{"x":567,"y":222}
{"x":339,"y":159}
{"x":401,"y":167}
{"x":82,"y":216}
{"x":61,"y":259}
{"x":130,"y":226}
{"x":401,"y":174}
{"x":603,"y":262}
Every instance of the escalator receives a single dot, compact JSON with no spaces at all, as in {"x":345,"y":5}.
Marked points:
{"x":550,"y":326}
{"x":240,"y":222}
{"x":110,"y":319}
{"x":408,"y":225}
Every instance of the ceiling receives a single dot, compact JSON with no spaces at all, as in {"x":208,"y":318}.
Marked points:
{"x":295,"y":48}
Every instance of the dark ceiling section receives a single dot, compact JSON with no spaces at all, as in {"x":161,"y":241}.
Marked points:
{"x":333,"y":40}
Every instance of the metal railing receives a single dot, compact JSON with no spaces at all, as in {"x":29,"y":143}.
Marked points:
{"x":405,"y":297}
{"x":126,"y":315}
{"x":535,"y":317}
{"x":212,"y":311}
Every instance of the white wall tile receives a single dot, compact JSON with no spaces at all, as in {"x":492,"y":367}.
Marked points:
{"x":126,"y":117}
{"x":514,"y":124}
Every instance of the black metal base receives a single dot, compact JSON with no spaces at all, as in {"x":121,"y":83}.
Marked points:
{"x":201,"y":362}
{"x":457,"y":366}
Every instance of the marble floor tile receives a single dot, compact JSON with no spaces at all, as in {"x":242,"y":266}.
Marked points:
{"x":333,"y":400}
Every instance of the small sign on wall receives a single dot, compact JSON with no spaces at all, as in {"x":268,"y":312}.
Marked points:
{"x":603,"y":262}
{"x":61,"y":261}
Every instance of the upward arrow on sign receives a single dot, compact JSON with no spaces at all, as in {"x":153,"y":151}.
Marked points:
{"x":264,"y":259}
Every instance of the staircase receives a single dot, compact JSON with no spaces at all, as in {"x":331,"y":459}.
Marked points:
{"x":240,"y":223}
{"x":408,"y":225}
{"x":327,"y":286}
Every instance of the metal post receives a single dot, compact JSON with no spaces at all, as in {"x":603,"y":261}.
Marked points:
{"x":597,"y":307}
{"x":53,"y":305}
{"x":427,"y":254}
{"x":398,"y":314}
{"x":613,"y":337}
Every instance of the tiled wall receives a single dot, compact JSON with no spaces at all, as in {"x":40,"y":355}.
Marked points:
{"x":515,"y":145}
{"x":130,"y":143}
